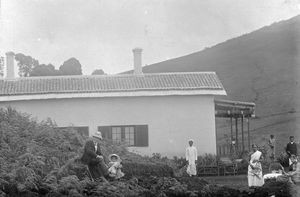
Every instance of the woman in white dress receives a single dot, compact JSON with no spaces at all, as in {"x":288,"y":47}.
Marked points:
{"x":255,"y":178}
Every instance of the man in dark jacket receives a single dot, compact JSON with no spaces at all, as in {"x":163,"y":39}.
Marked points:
{"x":291,"y":147}
{"x":94,"y":159}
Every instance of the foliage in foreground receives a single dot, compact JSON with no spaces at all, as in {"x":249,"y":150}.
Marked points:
{"x":33,"y":154}
{"x":39,"y":160}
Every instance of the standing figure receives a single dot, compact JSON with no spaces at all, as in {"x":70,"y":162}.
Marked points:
{"x":191,"y":158}
{"x":291,"y":147}
{"x":94,"y":159}
{"x":115,"y":166}
{"x":291,"y":150}
{"x":271,"y":144}
{"x":255,"y":178}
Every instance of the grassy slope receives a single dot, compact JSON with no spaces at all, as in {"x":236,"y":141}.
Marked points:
{"x":260,"y":67}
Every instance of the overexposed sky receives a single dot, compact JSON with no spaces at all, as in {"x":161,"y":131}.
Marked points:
{"x":102,"y":33}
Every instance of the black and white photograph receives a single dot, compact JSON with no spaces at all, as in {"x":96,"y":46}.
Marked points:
{"x":149,"y":98}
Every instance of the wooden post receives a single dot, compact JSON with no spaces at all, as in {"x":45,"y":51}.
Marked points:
{"x":248,"y":125}
{"x":216,"y":132}
{"x":242,"y":127}
{"x":231,"y":134}
{"x":236,"y":135}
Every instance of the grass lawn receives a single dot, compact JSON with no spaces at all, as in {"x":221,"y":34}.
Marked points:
{"x":237,"y":182}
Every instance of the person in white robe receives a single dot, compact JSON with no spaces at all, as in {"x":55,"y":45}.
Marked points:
{"x":255,"y":177}
{"x":191,"y":158}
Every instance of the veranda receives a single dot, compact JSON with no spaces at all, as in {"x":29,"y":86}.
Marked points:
{"x":239,"y":137}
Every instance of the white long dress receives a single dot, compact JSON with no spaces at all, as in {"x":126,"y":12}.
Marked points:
{"x":191,"y":157}
{"x":255,"y":177}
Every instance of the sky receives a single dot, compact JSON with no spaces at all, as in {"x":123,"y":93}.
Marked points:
{"x":102,"y":33}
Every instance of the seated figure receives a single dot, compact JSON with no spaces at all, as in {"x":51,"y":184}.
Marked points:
{"x":94,"y":158}
{"x":293,"y":162}
{"x":295,"y":173}
{"x":115,"y":166}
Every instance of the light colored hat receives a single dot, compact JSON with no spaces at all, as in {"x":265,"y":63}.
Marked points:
{"x":191,"y":140}
{"x":114,"y":155}
{"x":98,"y":135}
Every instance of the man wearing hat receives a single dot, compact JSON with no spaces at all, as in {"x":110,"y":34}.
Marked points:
{"x":97,"y":137}
{"x":191,"y":157}
{"x":93,"y":157}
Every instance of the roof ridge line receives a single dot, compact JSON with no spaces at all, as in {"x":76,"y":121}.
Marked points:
{"x":105,"y":76}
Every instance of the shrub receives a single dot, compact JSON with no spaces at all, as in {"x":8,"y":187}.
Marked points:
{"x":69,"y":184}
{"x":207,"y":160}
{"x":273,"y":187}
{"x":38,"y":146}
{"x":73,"y":167}
{"x":179,"y":162}
{"x":30,"y":150}
{"x":242,"y":167}
{"x":147,"y":169}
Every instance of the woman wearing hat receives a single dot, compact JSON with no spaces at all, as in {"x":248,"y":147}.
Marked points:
{"x":255,"y":178}
{"x":93,"y":157}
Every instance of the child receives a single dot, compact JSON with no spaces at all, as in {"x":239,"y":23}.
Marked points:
{"x":115,"y":166}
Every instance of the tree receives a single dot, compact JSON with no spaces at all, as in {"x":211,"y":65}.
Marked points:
{"x":26,"y":64}
{"x":71,"y":67}
{"x":44,"y":70}
{"x":29,"y":66}
{"x":98,"y":72}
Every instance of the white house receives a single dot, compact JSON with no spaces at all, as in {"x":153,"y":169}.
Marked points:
{"x":153,"y":113}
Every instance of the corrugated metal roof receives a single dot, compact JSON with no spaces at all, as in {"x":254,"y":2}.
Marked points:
{"x":110,"y":83}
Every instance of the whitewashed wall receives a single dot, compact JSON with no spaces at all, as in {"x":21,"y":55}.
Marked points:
{"x":171,"y":120}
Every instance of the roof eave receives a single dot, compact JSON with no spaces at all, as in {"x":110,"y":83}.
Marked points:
{"x":212,"y":92}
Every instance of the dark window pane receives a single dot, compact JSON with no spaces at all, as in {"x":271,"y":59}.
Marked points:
{"x":106,"y":132}
{"x":141,"y":135}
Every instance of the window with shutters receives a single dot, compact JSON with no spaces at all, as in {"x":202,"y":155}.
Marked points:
{"x":132,"y":135}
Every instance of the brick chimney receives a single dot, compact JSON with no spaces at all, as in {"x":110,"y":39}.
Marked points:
{"x":137,"y":61}
{"x":10,"y":65}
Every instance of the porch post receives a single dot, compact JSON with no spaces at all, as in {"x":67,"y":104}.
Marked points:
{"x":242,"y":126}
{"x":231,"y":134}
{"x":236,"y":134}
{"x":216,"y":132}
{"x":248,"y":125}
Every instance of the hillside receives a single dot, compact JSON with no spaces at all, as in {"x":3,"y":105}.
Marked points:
{"x":260,"y":67}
